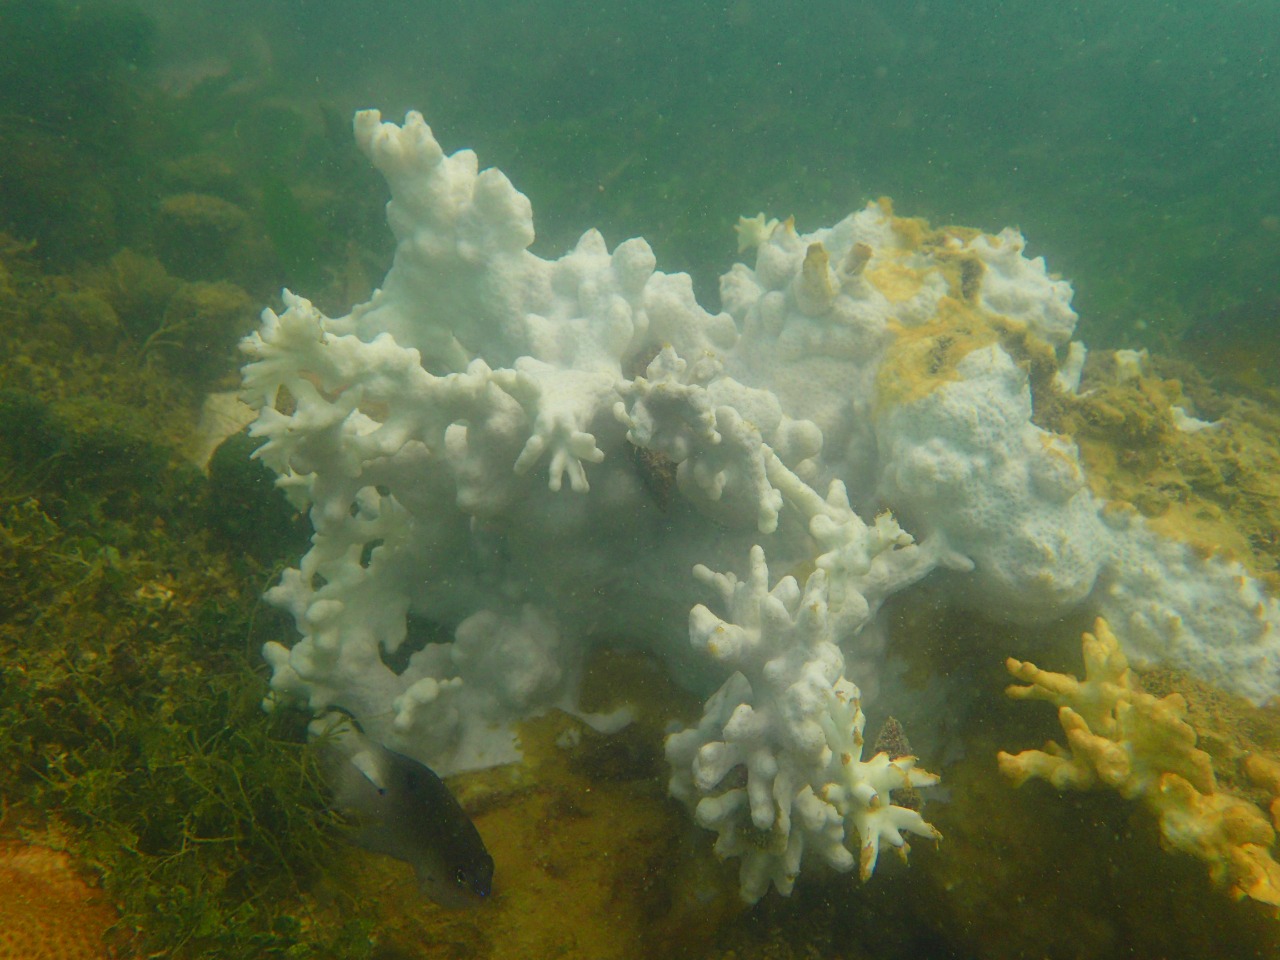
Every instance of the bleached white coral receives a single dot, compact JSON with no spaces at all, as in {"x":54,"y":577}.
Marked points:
{"x":1021,"y":289}
{"x":775,"y":765}
{"x":507,"y":459}
{"x":967,"y":463}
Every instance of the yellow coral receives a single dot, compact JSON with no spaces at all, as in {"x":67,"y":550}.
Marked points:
{"x":1141,"y":746}
{"x":1265,"y":773}
{"x":46,"y":909}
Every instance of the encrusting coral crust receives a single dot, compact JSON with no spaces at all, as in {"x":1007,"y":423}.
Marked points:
{"x":46,"y":909}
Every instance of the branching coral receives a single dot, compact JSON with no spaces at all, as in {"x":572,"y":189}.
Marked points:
{"x":782,"y":740}
{"x":1142,"y":747}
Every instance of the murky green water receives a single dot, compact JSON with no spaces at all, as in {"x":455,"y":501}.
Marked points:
{"x":177,"y":162}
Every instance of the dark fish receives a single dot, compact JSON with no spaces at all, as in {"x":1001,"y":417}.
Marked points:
{"x":400,"y":808}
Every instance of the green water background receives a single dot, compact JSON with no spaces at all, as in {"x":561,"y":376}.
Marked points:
{"x":1135,"y":143}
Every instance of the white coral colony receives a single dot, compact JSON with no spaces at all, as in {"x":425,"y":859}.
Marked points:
{"x":532,"y":455}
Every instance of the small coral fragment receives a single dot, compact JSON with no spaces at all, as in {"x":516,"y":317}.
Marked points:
{"x":753,"y":231}
{"x":1142,"y":747}
{"x":814,"y":290}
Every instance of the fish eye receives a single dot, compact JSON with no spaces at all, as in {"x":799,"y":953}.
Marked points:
{"x":461,"y":877}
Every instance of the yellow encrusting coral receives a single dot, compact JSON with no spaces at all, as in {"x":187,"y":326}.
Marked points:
{"x":1121,"y":737}
{"x":46,"y":909}
{"x":923,"y":356}
{"x":1265,"y":772}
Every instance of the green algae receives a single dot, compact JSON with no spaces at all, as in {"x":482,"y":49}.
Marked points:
{"x":131,"y":727}
{"x":131,"y":730}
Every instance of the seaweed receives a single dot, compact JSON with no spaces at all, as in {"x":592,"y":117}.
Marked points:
{"x":131,"y":718}
{"x":131,"y":727}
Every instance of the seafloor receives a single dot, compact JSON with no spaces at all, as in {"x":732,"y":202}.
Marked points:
{"x":148,"y":807}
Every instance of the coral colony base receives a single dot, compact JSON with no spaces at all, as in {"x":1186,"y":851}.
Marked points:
{"x":508,"y":459}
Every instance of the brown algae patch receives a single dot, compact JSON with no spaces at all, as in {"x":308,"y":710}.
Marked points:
{"x":1217,"y":489}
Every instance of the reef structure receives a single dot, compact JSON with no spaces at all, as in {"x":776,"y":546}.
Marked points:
{"x":508,"y":459}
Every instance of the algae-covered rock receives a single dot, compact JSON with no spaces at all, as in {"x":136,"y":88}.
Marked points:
{"x":1201,"y":465}
{"x":49,"y":193}
{"x":204,"y":173}
{"x":71,"y":178}
{"x":196,"y":234}
{"x":137,"y":286}
{"x":26,"y":435}
{"x":201,"y":325}
{"x":84,"y":318}
{"x":243,"y":507}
